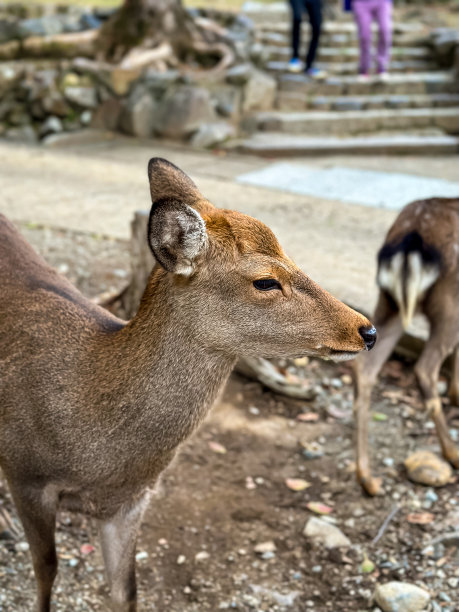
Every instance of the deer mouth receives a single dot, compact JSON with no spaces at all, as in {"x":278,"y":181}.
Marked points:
{"x":335,"y":355}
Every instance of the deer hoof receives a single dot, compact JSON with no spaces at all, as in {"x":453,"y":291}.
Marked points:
{"x":373,"y":486}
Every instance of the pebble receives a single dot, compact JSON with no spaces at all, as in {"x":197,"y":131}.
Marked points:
{"x":388,"y":461}
{"x":254,"y":410}
{"x":22,"y":546}
{"x":265,"y":547}
{"x":140,"y":556}
{"x":428,"y":469}
{"x":268,"y":555}
{"x":181,"y":559}
{"x":325,"y":533}
{"x":453,"y":582}
{"x":401,"y":597}
{"x":73,"y":562}
{"x":203,"y":555}
{"x":431,"y":496}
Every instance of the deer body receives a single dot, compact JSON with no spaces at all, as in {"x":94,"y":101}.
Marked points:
{"x":92,"y":409}
{"x":418,"y":271}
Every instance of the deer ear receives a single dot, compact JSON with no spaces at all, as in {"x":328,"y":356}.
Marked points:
{"x":177,"y":235}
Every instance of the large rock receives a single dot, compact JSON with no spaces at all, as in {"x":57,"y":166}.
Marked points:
{"x":85,"y":97}
{"x":54,"y":103}
{"x":23,"y":134}
{"x":259,"y":92}
{"x":212,"y":134}
{"x":8,"y":30}
{"x":428,"y":469}
{"x":43,"y":26}
{"x":183,"y":111}
{"x":401,"y":597}
{"x":444,"y":43}
{"x":52,"y":125}
{"x":325,"y":533}
{"x":140,"y":116}
{"x":107,"y":115}
{"x":10,"y":75}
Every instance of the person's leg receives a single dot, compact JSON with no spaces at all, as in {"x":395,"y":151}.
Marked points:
{"x":314,"y":9}
{"x":383,"y":14}
{"x":362,"y":15}
{"x":297,"y":9}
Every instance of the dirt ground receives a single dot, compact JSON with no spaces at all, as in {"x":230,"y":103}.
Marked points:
{"x":226,"y":493}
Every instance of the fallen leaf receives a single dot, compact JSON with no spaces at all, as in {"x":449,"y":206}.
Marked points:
{"x":367,"y":566}
{"x":319,"y":508}
{"x":379,"y":416}
{"x":297,"y":484}
{"x":87,"y":549}
{"x":420,"y":518}
{"x":217,"y":447}
{"x":308,"y":417}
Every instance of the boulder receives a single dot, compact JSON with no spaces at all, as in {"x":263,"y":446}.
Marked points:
{"x":52,"y":125}
{"x":401,"y":597}
{"x":84,"y":97}
{"x":8,"y":30}
{"x":107,"y":115}
{"x":259,"y":92}
{"x":54,"y":103}
{"x":444,"y":43}
{"x":325,"y":533}
{"x":227,"y":99}
{"x":42,"y":26}
{"x":428,"y":469}
{"x":139,"y":116}
{"x":183,"y":110}
{"x":10,"y":75}
{"x":24,"y":133}
{"x":239,"y":75}
{"x":212,"y":134}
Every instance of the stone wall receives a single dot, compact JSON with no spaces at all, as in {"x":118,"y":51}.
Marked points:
{"x":58,"y":92}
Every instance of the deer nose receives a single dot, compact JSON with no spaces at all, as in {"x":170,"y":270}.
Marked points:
{"x":369,"y":336}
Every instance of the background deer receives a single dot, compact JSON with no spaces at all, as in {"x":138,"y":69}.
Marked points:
{"x":418,"y":270}
{"x":92,"y":409}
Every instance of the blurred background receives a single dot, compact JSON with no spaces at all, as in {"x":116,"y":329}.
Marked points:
{"x":324,"y":148}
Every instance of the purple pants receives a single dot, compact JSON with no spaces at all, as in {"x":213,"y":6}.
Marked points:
{"x":364,"y":12}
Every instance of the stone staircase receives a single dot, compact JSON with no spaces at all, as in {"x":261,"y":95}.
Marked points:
{"x":414,"y":110}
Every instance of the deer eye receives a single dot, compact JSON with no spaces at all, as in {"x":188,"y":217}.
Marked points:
{"x":267,"y":284}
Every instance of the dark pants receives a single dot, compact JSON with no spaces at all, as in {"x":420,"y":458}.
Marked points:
{"x":314,"y":10}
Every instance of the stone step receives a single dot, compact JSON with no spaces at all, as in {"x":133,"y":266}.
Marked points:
{"x":344,"y":27}
{"x":354,"y":122}
{"x":272,"y":144}
{"x":291,"y":100}
{"x":339,"y":40}
{"x":335,"y":68}
{"x":348,"y":54}
{"x":407,"y":84}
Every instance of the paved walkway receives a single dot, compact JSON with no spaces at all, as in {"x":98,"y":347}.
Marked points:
{"x":96,"y":184}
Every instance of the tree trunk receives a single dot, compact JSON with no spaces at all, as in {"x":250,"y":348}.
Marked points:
{"x":148,"y":24}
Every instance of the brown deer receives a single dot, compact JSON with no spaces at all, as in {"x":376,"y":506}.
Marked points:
{"x":418,"y":270}
{"x":93,"y":409}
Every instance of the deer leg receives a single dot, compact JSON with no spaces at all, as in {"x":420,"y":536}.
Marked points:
{"x":443,"y":338}
{"x":37,"y":512}
{"x":453,"y":390}
{"x":367,"y":367}
{"x":119,"y":537}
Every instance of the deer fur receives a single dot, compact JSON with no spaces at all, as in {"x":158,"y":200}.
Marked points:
{"x":92,"y":409}
{"x":418,"y":271}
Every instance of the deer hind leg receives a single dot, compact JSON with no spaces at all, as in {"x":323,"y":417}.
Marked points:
{"x":444,"y":336}
{"x":367,"y":367}
{"x":37,"y":512}
{"x":453,"y":390}
{"x":119,"y":538}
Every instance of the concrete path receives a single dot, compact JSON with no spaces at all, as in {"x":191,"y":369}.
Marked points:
{"x":95,"y":184}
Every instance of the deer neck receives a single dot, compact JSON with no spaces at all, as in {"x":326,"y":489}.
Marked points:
{"x":171,"y":378}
